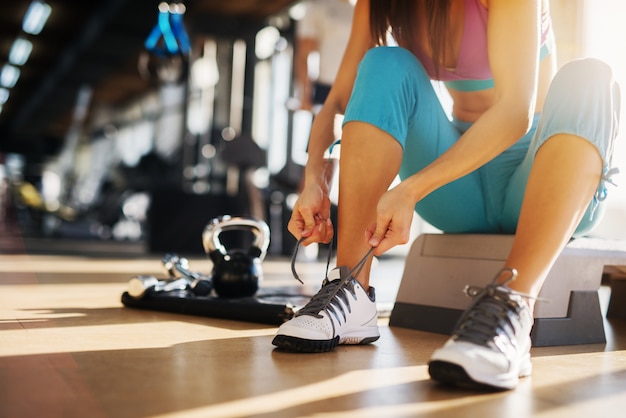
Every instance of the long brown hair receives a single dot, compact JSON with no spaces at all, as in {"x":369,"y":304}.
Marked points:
{"x":398,"y":18}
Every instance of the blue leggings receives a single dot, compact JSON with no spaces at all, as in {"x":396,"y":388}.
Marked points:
{"x":393,"y":92}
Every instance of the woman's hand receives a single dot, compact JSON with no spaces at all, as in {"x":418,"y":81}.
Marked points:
{"x":394,"y":215}
{"x":310,"y":218}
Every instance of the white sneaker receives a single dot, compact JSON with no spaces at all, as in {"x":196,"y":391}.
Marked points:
{"x":490,"y":347}
{"x":342,"y":312}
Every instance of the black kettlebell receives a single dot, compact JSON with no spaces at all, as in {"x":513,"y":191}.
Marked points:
{"x":236,"y":272}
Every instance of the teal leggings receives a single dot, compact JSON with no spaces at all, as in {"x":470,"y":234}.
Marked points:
{"x":393,"y":92}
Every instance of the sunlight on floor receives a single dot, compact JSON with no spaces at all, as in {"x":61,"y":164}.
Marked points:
{"x":342,"y":385}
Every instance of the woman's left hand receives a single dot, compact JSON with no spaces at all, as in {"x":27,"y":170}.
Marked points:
{"x":394,"y":215}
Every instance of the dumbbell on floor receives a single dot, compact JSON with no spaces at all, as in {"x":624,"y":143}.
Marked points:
{"x":178,"y":267}
{"x":140,"y":286}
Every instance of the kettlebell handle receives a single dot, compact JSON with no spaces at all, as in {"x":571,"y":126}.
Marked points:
{"x":211,"y":235}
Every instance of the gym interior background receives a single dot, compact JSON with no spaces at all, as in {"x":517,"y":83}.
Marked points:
{"x":106,"y":143}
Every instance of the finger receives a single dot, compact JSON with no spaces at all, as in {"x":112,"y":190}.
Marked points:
{"x":392,"y":238}
{"x":323,"y":232}
{"x":369,"y":232}
{"x":379,"y":232}
{"x":385,"y":245}
{"x":326,"y":231}
{"x":309,"y":222}
{"x":295,"y":226}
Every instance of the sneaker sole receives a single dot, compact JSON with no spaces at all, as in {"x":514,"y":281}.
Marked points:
{"x":454,"y":375}
{"x":302,"y":345}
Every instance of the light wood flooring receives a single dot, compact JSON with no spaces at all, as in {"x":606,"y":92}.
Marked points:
{"x":69,"y":348}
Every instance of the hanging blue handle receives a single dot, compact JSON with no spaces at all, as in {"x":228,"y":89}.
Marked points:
{"x":178,"y":27}
{"x":171,"y":28}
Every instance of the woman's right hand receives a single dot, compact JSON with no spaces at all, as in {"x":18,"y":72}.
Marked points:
{"x":310,"y":218}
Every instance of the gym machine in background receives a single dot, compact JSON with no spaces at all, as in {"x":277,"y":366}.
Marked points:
{"x":212,"y":137}
{"x":217,"y":157}
{"x":238,"y":135}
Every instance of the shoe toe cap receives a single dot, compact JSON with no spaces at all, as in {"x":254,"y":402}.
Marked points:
{"x":307,"y":328}
{"x":471,"y":356}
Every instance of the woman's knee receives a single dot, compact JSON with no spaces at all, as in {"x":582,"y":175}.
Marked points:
{"x":586,"y":81}
{"x":386,"y":90}
{"x":390,"y":64}
{"x":389,"y":56}
{"x":585,"y":70}
{"x":584,"y":100}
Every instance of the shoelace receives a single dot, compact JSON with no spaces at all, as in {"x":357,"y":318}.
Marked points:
{"x":295,"y":255}
{"x":322,"y":300}
{"x":491,"y":313}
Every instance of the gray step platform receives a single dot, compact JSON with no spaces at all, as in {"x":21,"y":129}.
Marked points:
{"x":439,"y":266}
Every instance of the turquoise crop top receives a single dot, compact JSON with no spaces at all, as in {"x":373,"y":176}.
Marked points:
{"x":472,"y":72}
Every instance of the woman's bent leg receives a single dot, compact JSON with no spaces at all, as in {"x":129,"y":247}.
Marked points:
{"x":561,"y":178}
{"x":551,"y":192}
{"x":363,"y":178}
{"x":395,"y":124}
{"x":391,"y":90}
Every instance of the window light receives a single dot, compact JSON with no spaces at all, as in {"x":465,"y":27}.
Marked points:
{"x":20,"y":51}
{"x":4,"y":96}
{"x":36,"y":17}
{"x":9,"y":76}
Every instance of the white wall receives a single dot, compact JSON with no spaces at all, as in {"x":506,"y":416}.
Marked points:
{"x":604,"y":37}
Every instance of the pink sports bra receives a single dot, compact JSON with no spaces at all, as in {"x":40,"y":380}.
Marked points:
{"x":472,"y":71}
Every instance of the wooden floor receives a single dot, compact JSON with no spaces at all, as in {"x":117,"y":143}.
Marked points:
{"x":69,"y":348}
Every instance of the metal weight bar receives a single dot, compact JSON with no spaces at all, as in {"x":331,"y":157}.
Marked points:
{"x":139,"y":286}
{"x":178,"y":267}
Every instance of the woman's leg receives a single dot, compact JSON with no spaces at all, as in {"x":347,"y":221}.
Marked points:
{"x":395,"y":124}
{"x":491,"y":344}
{"x":392,"y":100}
{"x":548,"y":200}
{"x":564,"y":178}
{"x":363,"y":178}
{"x":557,"y":183}
{"x":391,"y":89}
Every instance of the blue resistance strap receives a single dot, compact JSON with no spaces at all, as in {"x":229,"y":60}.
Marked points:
{"x":171,"y":29}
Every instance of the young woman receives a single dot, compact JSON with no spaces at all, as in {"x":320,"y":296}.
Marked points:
{"x":528,"y":152}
